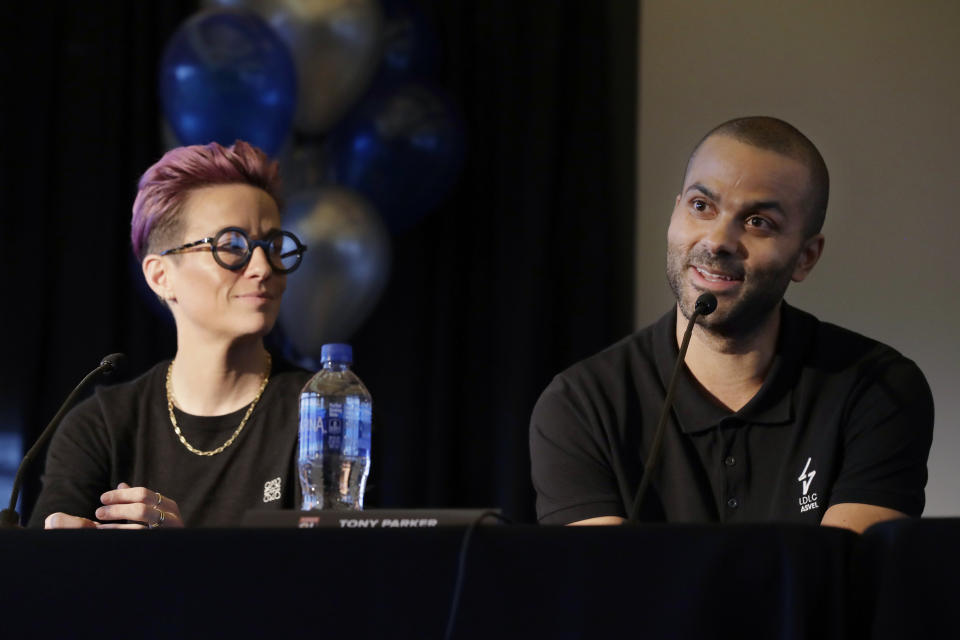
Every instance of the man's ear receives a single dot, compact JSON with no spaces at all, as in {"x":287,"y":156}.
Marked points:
{"x":158,"y":277}
{"x":809,"y":255}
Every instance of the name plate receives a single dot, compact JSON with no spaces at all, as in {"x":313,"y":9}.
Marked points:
{"x":369,"y":519}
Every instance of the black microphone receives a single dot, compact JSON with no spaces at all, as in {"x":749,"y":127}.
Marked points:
{"x":704,"y":306}
{"x":9,"y":518}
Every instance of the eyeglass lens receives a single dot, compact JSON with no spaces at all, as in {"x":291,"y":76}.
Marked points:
{"x":232,"y":248}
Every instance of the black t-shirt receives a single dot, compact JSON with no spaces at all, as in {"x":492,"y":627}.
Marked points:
{"x":123,"y":434}
{"x":839,"y":418}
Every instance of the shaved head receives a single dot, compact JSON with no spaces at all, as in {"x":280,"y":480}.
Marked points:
{"x":783,"y":138}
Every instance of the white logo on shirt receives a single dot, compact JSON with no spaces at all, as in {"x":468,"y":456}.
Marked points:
{"x":807,"y":502}
{"x":805,"y":477}
{"x":271,"y":490}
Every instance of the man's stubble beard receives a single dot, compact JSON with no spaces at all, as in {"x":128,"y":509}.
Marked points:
{"x":759,"y":295}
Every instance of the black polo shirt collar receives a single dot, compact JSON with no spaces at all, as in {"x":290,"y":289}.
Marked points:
{"x":696,"y":411}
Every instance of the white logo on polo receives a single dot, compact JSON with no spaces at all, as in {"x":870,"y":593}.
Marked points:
{"x":271,"y":490}
{"x":805,"y":477}
{"x":808,"y":500}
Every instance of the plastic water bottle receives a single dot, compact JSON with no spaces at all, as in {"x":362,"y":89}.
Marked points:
{"x":335,"y":424}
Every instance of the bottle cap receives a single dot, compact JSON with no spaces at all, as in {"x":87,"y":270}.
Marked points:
{"x":336,"y":352}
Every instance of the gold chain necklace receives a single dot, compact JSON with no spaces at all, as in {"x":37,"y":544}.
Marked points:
{"x":246,"y":416}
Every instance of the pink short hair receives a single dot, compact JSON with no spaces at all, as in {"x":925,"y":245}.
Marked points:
{"x":164,"y":187}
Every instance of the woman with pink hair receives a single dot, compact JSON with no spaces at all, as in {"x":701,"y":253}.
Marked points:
{"x":201,"y":438}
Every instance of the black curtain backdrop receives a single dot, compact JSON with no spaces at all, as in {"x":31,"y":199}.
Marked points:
{"x":526,"y":268}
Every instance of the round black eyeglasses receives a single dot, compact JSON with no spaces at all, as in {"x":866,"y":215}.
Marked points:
{"x":232,"y":249}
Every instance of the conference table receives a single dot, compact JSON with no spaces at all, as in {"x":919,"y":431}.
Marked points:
{"x":898,"y":580}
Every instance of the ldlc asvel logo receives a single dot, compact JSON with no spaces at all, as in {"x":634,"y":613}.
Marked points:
{"x":808,"y":500}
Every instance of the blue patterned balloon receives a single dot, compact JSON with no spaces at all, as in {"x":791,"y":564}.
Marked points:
{"x":225,"y":75}
{"x":403,"y":149}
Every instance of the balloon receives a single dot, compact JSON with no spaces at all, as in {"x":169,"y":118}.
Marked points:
{"x":403,"y":149}
{"x":410,"y":48}
{"x":336,"y":45}
{"x":343,"y":271}
{"x":303,"y":165}
{"x":225,"y":75}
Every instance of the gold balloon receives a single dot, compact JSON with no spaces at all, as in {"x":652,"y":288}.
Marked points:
{"x":336,"y":45}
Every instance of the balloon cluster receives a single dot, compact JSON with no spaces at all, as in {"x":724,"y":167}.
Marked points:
{"x":341,"y":92}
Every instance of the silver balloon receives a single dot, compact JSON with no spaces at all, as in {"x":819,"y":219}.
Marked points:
{"x":336,"y":45}
{"x":303,"y":165}
{"x":343,"y":272}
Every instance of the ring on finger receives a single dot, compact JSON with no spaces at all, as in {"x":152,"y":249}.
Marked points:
{"x":159,"y":521}
{"x":159,"y":499}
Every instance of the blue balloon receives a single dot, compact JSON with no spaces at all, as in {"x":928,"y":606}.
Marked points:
{"x":225,"y":76}
{"x":403,"y":148}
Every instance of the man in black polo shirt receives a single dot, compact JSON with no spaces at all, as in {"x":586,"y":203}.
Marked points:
{"x":777,"y":416}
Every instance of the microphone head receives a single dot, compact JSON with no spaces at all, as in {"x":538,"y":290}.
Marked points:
{"x":113,"y":362}
{"x":705,"y":304}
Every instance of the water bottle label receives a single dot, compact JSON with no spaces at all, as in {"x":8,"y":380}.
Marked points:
{"x":365,"y":424}
{"x":332,"y":415}
{"x":334,"y":427}
{"x":311,"y":426}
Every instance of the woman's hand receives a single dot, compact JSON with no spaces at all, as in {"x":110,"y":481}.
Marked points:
{"x":61,"y":520}
{"x":141,"y":506}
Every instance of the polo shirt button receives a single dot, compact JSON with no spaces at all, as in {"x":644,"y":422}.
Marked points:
{"x":733,"y":503}
{"x":730,"y":461}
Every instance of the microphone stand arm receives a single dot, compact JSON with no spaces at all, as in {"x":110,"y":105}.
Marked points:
{"x":9,"y":518}
{"x":705,"y":305}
